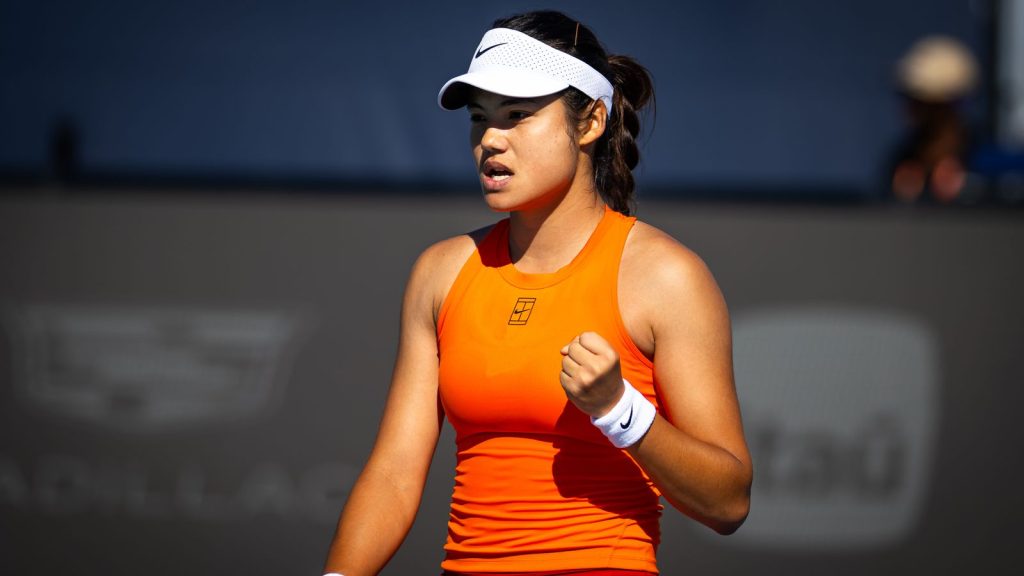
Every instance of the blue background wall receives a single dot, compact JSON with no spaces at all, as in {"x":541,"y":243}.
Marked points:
{"x":751,"y":94}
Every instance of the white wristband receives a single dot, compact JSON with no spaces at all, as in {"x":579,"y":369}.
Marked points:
{"x":627,"y":422}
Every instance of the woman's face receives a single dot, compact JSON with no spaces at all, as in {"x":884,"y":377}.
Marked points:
{"x":524,"y":154}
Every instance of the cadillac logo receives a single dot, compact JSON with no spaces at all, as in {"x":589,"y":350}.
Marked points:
{"x":150,"y":369}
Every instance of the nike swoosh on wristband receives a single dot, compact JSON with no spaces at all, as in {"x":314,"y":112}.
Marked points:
{"x":628,"y":420}
{"x":481,"y":51}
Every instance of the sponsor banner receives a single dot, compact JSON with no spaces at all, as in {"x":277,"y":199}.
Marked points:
{"x":66,"y":485}
{"x":840,"y":407}
{"x":151,"y":369}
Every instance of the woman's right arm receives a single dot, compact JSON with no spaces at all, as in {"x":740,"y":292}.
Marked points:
{"x":384,"y":500}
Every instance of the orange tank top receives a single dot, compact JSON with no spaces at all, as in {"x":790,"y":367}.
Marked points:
{"x":537,"y":486}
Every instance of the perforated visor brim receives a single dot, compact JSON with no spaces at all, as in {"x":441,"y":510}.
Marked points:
{"x":506,"y":82}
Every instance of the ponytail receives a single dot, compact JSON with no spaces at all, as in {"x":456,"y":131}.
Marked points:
{"x":617,"y":152}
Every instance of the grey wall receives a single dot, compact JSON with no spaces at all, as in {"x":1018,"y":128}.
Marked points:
{"x":190,"y":382}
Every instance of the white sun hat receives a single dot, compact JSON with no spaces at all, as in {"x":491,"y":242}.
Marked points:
{"x":937,"y":69}
{"x":514,"y":64}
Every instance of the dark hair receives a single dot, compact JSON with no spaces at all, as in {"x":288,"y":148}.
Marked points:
{"x":616,"y":153}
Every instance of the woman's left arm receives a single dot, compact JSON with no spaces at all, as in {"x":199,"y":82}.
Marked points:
{"x":695,"y":450}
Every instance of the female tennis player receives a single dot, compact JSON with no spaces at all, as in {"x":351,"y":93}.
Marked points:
{"x":582,"y":357}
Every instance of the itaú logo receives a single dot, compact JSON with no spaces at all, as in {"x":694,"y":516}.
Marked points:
{"x":150,"y":369}
{"x":840,"y":411}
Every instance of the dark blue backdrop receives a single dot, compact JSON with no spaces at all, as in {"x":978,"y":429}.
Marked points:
{"x":751,"y":94}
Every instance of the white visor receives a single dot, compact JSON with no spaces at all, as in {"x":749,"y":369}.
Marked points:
{"x":514,"y":64}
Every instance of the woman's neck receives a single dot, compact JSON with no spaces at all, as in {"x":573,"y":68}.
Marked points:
{"x":544,"y":240}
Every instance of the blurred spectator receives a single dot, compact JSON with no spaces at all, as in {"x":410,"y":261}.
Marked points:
{"x":934,"y":77}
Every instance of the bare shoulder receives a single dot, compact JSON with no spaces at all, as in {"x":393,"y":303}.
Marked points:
{"x":667,"y":290}
{"x":438,"y":266}
{"x":660,"y":262}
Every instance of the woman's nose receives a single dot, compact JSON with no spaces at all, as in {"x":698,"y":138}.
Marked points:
{"x":494,"y":139}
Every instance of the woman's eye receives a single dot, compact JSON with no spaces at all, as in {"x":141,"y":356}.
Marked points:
{"x":474,"y":118}
{"x":518,"y":115}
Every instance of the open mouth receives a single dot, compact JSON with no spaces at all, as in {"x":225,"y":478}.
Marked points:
{"x":496,"y":172}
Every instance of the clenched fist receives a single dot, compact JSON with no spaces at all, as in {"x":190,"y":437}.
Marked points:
{"x":590,"y":374}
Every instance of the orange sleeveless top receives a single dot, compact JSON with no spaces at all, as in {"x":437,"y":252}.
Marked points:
{"x":537,"y":486}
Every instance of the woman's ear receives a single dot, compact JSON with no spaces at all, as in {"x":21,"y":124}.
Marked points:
{"x":594,"y":124}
